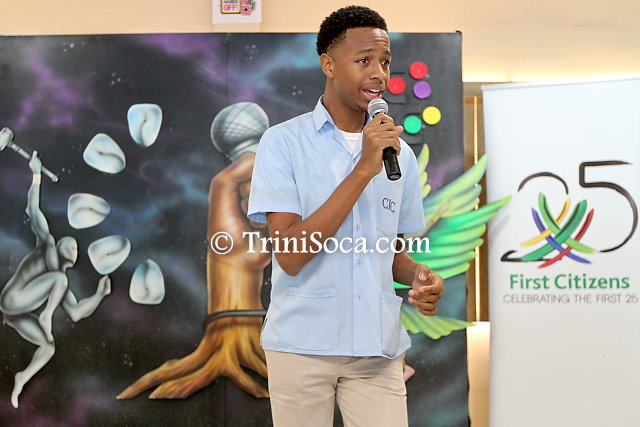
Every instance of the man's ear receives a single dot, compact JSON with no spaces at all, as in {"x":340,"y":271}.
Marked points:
{"x":327,"y":63}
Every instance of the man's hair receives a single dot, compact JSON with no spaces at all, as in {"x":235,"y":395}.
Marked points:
{"x":334,"y":27}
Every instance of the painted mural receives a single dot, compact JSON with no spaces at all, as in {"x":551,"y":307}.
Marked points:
{"x":122,"y":156}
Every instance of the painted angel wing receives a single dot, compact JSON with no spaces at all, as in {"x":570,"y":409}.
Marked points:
{"x":432,"y":326}
{"x":454,"y":228}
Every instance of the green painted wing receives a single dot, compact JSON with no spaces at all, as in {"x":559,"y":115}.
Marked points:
{"x":432,"y":326}
{"x":454,"y":228}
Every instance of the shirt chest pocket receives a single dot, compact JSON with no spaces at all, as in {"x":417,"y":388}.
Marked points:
{"x":316,"y":182}
{"x":387,"y":200}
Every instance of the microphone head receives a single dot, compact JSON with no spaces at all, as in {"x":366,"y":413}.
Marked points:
{"x":237,"y":129}
{"x":377,"y":105}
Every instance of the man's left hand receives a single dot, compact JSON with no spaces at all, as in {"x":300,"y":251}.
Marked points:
{"x":427,"y":290}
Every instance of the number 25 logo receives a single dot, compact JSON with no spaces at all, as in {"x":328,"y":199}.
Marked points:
{"x":556,"y":232}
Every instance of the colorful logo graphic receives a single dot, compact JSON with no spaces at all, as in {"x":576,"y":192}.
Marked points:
{"x":557,"y":232}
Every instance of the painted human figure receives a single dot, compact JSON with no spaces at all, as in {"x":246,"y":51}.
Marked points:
{"x":39,"y":280}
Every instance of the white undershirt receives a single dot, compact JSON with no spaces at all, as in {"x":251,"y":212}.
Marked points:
{"x":351,"y":139}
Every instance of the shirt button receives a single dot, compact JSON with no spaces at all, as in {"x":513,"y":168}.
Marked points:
{"x":358,"y":297}
{"x":357,"y":226}
{"x":358,"y":262}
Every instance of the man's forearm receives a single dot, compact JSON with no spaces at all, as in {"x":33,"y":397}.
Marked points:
{"x":232,"y":286}
{"x":33,"y":196}
{"x":326,"y":221}
{"x":403,"y":268}
{"x":33,"y":205}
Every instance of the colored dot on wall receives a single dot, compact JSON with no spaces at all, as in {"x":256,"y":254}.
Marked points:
{"x":418,"y":70}
{"x":422,"y":90}
{"x":412,"y":125}
{"x":431,"y":115}
{"x":397,"y":85}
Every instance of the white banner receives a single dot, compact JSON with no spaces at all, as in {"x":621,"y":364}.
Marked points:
{"x":564,"y":253}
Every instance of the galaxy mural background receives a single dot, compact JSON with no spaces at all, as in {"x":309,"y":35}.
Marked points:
{"x":59,"y":92}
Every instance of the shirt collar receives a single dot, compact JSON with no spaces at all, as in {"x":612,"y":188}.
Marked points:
{"x":322,"y":116}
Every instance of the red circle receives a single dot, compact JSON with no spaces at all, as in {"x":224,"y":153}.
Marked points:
{"x":418,"y":70}
{"x":396,"y":85}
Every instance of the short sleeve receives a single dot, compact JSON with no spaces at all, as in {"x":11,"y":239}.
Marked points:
{"x":411,"y":210}
{"x":273,"y":185}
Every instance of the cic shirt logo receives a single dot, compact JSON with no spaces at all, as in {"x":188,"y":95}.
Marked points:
{"x":389,"y":204}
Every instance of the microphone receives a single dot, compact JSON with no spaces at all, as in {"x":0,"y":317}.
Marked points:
{"x":389,"y":157}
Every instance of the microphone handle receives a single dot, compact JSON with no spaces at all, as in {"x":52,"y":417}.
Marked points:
{"x":389,"y":158}
{"x":391,"y":165}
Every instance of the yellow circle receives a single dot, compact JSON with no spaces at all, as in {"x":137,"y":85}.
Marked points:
{"x":431,"y":115}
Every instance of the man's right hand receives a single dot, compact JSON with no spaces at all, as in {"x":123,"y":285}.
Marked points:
{"x":377,"y":135}
{"x":104,"y":286}
{"x":35,"y":163}
{"x":228,"y":206}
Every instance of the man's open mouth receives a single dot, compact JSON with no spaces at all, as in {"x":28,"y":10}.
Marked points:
{"x":373,"y":93}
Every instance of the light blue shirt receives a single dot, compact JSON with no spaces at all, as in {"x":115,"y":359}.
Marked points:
{"x":339,"y":303}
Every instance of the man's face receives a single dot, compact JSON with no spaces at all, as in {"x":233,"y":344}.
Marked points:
{"x":68,"y":250}
{"x":361,"y":66}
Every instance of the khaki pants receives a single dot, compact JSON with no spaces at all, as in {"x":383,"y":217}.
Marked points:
{"x":370,"y":390}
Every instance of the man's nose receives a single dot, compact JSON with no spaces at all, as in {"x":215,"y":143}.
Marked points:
{"x":378,"y":71}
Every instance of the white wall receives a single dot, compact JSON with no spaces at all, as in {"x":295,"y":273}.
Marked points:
{"x":502,"y":41}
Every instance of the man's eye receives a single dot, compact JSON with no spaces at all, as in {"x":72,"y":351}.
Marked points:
{"x":362,"y":61}
{"x":386,"y":62}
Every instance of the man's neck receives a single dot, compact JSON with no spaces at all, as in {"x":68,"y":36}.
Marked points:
{"x":344,"y":118}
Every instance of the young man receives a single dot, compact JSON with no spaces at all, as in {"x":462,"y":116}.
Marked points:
{"x":333,"y":329}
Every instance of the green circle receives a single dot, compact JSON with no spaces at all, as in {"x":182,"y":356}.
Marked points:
{"x":412,"y":125}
